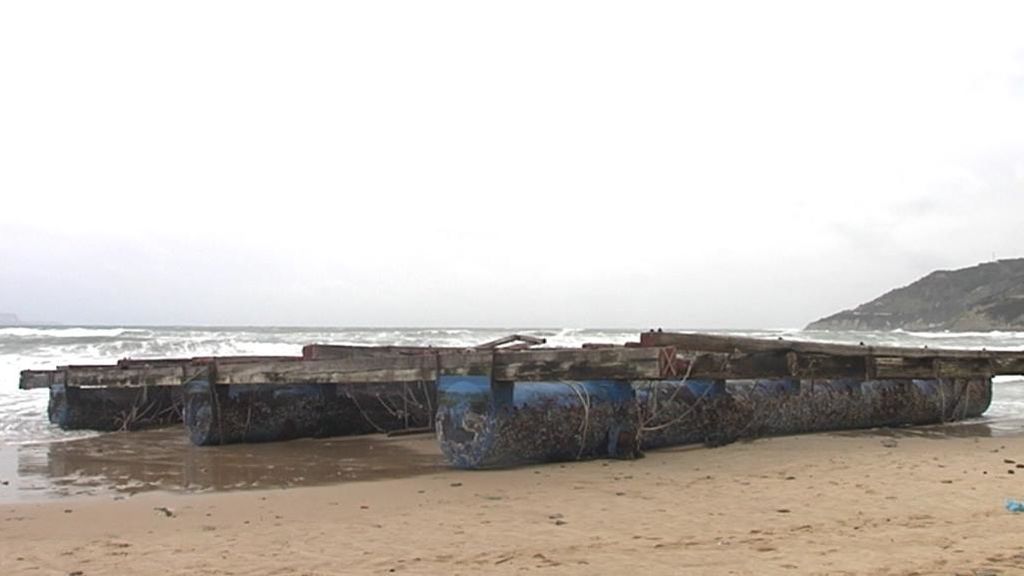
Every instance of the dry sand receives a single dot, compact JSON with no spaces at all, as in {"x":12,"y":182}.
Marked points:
{"x":904,"y":502}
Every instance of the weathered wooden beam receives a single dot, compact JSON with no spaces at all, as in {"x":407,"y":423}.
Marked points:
{"x":519,"y":346}
{"x":112,"y":376}
{"x":344,"y":352}
{"x":822,"y":360}
{"x":528,"y":341}
{"x":1007,"y":364}
{"x":815,"y":366}
{"x":717,"y":365}
{"x":391,"y":368}
{"x":198,"y":360}
{"x":31,"y":379}
{"x":141,"y":362}
{"x":535,"y":365}
{"x":718,"y":343}
{"x":562,"y":364}
{"x":139,"y":372}
{"x":743,"y":366}
{"x":898,"y":367}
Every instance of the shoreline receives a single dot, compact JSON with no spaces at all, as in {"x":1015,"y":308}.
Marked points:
{"x":888,"y":501}
{"x":125,"y":464}
{"x":111,"y":464}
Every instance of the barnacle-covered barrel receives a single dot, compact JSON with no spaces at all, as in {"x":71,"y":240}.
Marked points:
{"x":226,"y":414}
{"x":481,"y":424}
{"x":843,"y":404}
{"x":109,"y":409}
{"x":755,"y":408}
{"x":686,"y":412}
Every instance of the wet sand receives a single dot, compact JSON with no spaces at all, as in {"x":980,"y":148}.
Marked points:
{"x":913,"y":501}
{"x":126,"y":464}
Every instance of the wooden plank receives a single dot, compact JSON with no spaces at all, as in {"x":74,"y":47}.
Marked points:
{"x":825,"y":360}
{"x":142,"y":362}
{"x":720,"y":365}
{"x":32,"y":379}
{"x":343,"y":352}
{"x":526,"y":342}
{"x":1009,"y":362}
{"x":899,"y":367}
{"x":465,"y":363}
{"x":523,"y":365}
{"x":392,"y":368}
{"x":150,"y":372}
{"x":816,"y":366}
{"x":560,"y":364}
{"x":726,"y":344}
{"x":107,"y":376}
{"x":199,"y":360}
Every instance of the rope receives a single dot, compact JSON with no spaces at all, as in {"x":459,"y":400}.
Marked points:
{"x":584,"y":398}
{"x":366,"y":416}
{"x":654,"y":402}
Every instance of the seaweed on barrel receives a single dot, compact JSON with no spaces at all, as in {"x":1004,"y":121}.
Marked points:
{"x":534,"y":421}
{"x":225,"y":414}
{"x":481,"y":425}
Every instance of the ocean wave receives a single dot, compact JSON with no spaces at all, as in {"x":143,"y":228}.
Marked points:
{"x":996,"y":335}
{"x":25,"y":332}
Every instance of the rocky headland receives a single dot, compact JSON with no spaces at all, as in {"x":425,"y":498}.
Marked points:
{"x":985,"y":297}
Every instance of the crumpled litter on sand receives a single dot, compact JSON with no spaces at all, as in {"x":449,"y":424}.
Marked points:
{"x":1015,"y":505}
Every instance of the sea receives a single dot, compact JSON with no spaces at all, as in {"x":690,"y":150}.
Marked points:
{"x":37,"y":458}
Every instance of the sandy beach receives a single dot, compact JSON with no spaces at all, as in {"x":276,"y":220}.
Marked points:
{"x":497,"y":288}
{"x":915,"y":501}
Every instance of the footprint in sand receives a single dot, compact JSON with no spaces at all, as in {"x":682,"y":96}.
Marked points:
{"x":545,"y":562}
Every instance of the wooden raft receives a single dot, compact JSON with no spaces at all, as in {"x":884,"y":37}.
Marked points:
{"x":657,"y":356}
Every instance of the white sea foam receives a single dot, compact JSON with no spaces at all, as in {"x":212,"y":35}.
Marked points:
{"x":61,"y":332}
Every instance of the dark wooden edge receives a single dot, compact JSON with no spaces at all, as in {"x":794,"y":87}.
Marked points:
{"x":727,"y":344}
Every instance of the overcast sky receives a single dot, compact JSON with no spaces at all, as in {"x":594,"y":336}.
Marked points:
{"x":627,"y":164}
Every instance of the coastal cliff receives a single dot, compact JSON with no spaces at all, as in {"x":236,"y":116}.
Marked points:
{"x":988,"y":296}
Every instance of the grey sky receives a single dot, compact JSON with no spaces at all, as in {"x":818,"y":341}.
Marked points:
{"x":737,"y":164}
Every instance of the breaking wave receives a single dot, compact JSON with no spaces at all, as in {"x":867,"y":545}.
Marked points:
{"x":60,"y":332}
